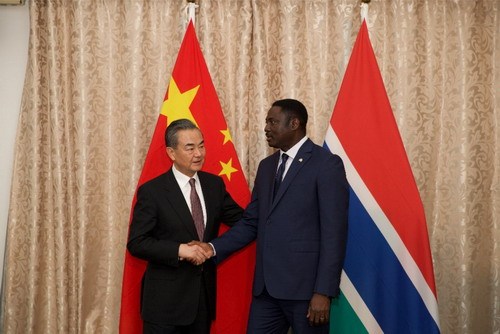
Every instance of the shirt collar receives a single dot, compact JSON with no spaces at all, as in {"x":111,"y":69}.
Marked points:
{"x":183,"y":179}
{"x":292,"y":152}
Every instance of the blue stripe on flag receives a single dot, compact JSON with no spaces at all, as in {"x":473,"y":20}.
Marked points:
{"x":380,"y":279}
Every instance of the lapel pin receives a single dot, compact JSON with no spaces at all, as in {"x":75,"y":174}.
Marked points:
{"x":300,"y":160}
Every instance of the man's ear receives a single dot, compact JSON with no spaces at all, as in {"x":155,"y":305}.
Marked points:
{"x":294,"y":123}
{"x":171,"y":153}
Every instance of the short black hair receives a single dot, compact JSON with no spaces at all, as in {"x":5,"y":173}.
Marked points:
{"x":171,"y":138}
{"x":293,"y":108}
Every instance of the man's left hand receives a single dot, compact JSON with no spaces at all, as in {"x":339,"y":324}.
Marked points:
{"x":319,"y":310}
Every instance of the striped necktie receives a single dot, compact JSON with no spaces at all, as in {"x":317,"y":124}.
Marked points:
{"x":196,"y":210}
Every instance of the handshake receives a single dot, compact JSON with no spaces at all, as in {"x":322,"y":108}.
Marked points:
{"x":195,"y":252}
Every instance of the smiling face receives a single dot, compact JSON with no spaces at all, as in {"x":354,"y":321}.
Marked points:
{"x":189,"y":154}
{"x":281,"y":129}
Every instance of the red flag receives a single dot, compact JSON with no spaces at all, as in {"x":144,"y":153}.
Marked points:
{"x":191,"y":94}
{"x":387,"y":281}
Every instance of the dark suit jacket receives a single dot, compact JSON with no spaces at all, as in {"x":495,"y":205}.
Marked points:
{"x":161,"y":222}
{"x":301,"y":235}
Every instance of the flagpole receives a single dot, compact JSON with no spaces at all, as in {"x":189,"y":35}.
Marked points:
{"x":364,"y":10}
{"x":191,"y":11}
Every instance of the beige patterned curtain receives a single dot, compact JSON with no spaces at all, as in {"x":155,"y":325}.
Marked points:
{"x":96,"y":78}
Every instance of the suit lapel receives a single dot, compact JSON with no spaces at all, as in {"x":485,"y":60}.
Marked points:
{"x":298,"y":162}
{"x":176,"y":198}
{"x":273,"y":167}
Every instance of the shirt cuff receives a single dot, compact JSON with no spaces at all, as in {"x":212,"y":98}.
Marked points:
{"x":213,"y":248}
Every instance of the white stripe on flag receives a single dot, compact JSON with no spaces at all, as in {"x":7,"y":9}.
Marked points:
{"x":384,"y":225}
{"x":358,"y":305}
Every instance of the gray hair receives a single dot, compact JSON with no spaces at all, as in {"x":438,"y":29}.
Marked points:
{"x":171,"y":138}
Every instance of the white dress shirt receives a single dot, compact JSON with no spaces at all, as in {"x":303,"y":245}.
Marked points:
{"x":183,"y":181}
{"x":292,"y":152}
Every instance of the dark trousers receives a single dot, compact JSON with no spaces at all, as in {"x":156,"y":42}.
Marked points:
{"x":201,"y":324}
{"x":269,"y":315}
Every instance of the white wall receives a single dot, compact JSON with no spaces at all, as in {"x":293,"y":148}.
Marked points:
{"x":14,"y":35}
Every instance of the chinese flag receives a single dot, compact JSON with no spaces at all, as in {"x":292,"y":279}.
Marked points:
{"x":191,"y":94}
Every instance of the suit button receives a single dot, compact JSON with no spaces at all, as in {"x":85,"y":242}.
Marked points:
{"x":268,"y":221}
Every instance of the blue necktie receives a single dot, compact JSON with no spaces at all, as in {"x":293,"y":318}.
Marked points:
{"x":279,"y":174}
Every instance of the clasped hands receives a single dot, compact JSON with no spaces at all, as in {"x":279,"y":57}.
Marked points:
{"x":195,"y":252}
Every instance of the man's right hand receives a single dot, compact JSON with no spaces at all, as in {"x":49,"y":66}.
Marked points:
{"x":206,"y":247}
{"x":194,"y":253}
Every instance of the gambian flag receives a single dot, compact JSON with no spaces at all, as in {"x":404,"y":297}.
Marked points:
{"x":387,"y":284}
{"x":191,"y":94}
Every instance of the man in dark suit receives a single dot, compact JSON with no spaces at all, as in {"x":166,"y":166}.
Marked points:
{"x":298,"y":215}
{"x":178,"y":287}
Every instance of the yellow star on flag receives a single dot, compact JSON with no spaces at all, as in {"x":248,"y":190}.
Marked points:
{"x":227,"y":136}
{"x":176,"y":106}
{"x":227,"y":169}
